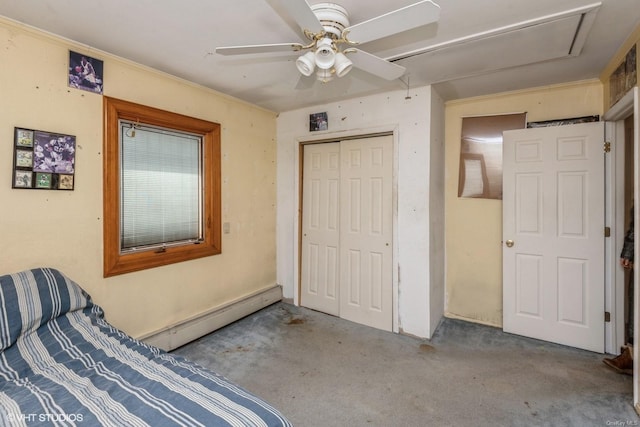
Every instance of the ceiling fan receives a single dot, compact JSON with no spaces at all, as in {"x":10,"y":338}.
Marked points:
{"x":331,"y":49}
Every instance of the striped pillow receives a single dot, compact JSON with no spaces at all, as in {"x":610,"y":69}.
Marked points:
{"x":31,"y":298}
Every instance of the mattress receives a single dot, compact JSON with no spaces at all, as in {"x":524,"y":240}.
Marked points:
{"x":62,"y":363}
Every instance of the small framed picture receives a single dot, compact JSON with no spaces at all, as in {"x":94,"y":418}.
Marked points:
{"x":318,"y":121}
{"x":85,"y":72}
{"x":22,"y":179}
{"x":43,"y":160}
{"x":24,"y":159}
{"x":24,"y":138}
{"x":43,"y":180}
{"x":65,"y":182}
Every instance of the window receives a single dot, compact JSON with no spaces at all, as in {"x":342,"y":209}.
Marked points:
{"x":161,"y":187}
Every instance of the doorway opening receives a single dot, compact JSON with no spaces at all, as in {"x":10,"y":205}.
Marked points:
{"x":622,"y":134}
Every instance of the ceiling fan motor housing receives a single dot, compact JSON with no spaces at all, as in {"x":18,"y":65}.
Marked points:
{"x":333,"y":17}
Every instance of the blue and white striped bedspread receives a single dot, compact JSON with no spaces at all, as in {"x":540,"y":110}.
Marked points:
{"x":76,"y":369}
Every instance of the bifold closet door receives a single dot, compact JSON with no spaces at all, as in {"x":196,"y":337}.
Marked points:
{"x":365,"y":231}
{"x":320,"y":228}
{"x":347,"y":230}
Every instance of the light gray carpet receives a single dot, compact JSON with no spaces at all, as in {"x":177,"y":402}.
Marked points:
{"x":323,"y":371}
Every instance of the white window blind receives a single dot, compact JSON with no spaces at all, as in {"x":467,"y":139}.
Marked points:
{"x":161,"y":187}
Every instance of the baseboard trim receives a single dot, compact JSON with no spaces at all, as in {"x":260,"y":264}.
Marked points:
{"x":181,"y":333}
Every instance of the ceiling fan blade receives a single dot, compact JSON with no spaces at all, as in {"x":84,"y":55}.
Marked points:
{"x":375,"y":65}
{"x":300,"y":11}
{"x":259,"y":48}
{"x":403,"y":19}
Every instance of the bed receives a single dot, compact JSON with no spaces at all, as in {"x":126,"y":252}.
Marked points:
{"x":62,"y":363}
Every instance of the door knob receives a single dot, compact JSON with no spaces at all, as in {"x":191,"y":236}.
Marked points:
{"x":509,"y":243}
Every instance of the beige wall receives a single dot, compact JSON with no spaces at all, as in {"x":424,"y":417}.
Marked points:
{"x":64,"y":229}
{"x":473,"y":227}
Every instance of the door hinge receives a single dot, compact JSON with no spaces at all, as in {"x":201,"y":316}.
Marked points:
{"x":607,"y":316}
{"x":607,"y":147}
{"x":607,"y":232}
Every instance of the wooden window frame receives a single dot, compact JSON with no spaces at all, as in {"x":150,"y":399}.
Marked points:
{"x":114,"y":261}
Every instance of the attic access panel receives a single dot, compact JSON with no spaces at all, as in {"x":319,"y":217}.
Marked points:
{"x":542,"y":39}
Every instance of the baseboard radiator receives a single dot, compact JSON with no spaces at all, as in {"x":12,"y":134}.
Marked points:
{"x":183,"y":332}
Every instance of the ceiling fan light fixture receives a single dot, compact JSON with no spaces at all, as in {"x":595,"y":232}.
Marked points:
{"x":342,"y":64}
{"x":306,"y":63}
{"x":325,"y":54}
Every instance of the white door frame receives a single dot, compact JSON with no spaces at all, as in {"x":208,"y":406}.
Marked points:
{"x":629,"y":104}
{"x":615,"y":214}
{"x":334,"y":137}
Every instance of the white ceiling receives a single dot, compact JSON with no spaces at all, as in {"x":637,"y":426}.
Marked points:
{"x":477,"y":47}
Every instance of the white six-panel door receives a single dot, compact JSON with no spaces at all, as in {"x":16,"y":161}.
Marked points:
{"x":553,"y":234}
{"x":320,"y":277}
{"x":347,"y":230}
{"x":365,"y":237}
